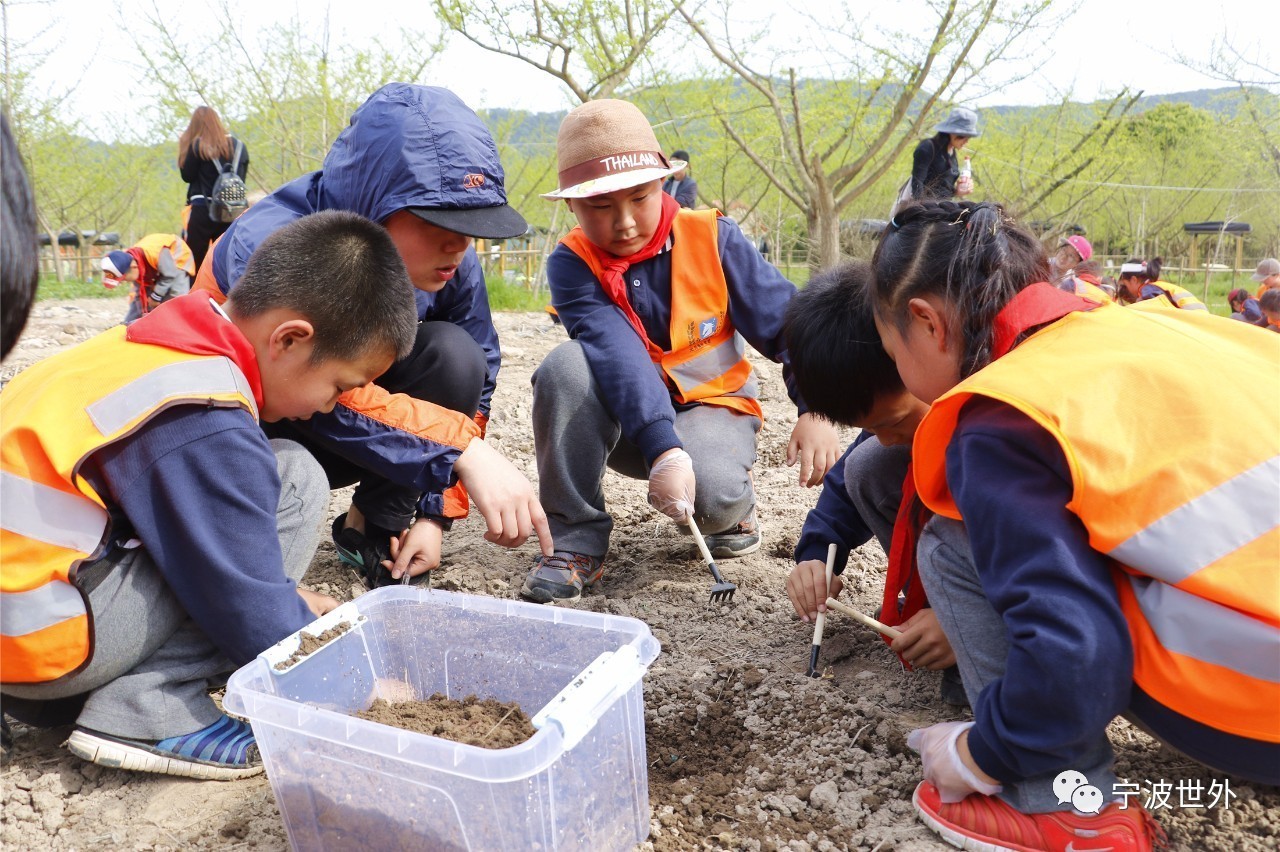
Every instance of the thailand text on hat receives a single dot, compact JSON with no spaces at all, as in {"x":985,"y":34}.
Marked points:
{"x":1080,"y":244}
{"x":962,"y":122}
{"x":1266,"y":269}
{"x":116,"y":265}
{"x":607,"y":145}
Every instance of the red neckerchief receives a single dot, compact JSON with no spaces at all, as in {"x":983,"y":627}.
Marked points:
{"x":904,"y":574}
{"x":1034,"y":305}
{"x":194,"y":324}
{"x":610,"y":268}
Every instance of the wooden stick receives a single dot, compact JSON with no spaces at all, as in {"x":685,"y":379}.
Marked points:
{"x":865,"y":619}
{"x":820,"y":622}
{"x":702,"y":544}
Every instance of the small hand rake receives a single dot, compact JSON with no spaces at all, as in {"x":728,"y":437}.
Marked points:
{"x":721,"y":590}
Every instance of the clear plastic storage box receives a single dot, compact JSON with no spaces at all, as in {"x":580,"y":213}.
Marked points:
{"x":581,"y":782}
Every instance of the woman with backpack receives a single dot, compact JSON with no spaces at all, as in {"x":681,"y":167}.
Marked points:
{"x":205,"y":151}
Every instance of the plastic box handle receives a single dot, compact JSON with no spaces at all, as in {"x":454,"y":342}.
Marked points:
{"x":576,"y":708}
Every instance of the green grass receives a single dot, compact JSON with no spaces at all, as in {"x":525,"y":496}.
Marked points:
{"x":507,"y":295}
{"x":72,"y":288}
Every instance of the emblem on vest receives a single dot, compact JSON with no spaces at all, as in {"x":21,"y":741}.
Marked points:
{"x":471,"y":181}
{"x":708,"y":327}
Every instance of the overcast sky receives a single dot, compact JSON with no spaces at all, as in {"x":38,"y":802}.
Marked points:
{"x":1102,"y":46}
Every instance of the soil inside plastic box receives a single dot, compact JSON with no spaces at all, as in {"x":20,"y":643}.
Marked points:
{"x":309,"y":643}
{"x":487,"y":723}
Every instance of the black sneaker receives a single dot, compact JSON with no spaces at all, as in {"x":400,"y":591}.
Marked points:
{"x":952,"y":689}
{"x":741,"y":539}
{"x":364,"y":551}
{"x":561,"y":576}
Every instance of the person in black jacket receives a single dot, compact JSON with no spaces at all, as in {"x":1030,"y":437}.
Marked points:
{"x":935,"y":174}
{"x":681,"y":186}
{"x":201,"y":147}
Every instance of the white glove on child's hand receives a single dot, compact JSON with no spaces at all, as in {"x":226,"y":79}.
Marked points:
{"x":943,"y":765}
{"x":672,"y":486}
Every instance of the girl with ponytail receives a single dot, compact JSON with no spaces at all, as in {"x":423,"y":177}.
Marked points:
{"x":1071,"y":571}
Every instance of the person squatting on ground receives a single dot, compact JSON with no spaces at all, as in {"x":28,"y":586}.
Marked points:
{"x":417,"y":160}
{"x":1072,"y":269}
{"x":205,"y":150}
{"x":1243,"y":306}
{"x":1269,"y":307}
{"x":1267,"y":276}
{"x":845,"y":375}
{"x":1079,"y":579}
{"x":653,"y":383}
{"x":19,"y":252}
{"x":160,"y":267}
{"x":153,"y":534}
{"x":1140,"y":280}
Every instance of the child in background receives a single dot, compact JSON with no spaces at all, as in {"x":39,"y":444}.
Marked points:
{"x":1096,"y":578}
{"x":844,"y":374}
{"x":418,"y":161}
{"x":1267,"y":275}
{"x":1140,"y":280}
{"x":653,"y":383}
{"x":153,"y":535}
{"x":1243,"y":306}
{"x":1269,"y":307}
{"x":159,"y":267}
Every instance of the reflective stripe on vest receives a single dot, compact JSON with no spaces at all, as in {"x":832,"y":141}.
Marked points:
{"x":181,"y":380}
{"x":23,"y":613}
{"x":52,"y":519}
{"x":1187,"y":502}
{"x":1180,"y":544}
{"x":49,"y":515}
{"x":706,"y":360}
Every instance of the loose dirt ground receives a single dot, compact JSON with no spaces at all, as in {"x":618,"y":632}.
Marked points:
{"x":744,"y":751}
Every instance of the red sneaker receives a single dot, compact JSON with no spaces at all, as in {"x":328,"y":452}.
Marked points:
{"x":986,"y":824}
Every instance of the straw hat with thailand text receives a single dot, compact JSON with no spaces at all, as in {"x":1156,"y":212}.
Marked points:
{"x":607,"y":145}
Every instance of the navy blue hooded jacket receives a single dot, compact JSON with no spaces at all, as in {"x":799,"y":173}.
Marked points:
{"x":388,"y":158}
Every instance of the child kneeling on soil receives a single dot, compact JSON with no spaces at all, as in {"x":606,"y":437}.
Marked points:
{"x":654,"y":383}
{"x":1096,"y":572}
{"x":160,"y":267}
{"x":153,"y":535}
{"x":845,"y":375}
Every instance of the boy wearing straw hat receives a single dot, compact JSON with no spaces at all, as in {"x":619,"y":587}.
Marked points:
{"x":653,"y":383}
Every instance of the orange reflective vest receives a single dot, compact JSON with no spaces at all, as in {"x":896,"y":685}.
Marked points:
{"x":707,"y":361}
{"x":1088,"y":290}
{"x":151,"y":245}
{"x":1192,"y":522}
{"x":1181,"y":297}
{"x":57,"y":413}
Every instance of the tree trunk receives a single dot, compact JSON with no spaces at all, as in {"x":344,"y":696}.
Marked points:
{"x":823,"y":222}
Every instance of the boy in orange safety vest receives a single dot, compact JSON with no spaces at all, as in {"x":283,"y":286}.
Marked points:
{"x":653,"y":383}
{"x":153,"y":534}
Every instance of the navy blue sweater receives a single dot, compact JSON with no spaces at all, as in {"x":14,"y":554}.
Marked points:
{"x":834,"y":518}
{"x":634,"y":392}
{"x":198,"y":487}
{"x":1070,"y":664}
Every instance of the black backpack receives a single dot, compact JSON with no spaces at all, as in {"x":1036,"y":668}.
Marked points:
{"x":227,"y":199}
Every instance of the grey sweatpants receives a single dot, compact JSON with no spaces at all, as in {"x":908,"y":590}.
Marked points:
{"x":149,"y":675}
{"x":575,"y":438}
{"x":980,"y":640}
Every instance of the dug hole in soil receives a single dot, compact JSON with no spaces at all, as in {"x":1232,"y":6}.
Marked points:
{"x":744,"y":751}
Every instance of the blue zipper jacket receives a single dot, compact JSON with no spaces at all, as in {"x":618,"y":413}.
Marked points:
{"x":385,"y":161}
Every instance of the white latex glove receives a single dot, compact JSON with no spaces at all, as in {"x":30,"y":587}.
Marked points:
{"x":672,"y":486}
{"x":943,"y":765}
